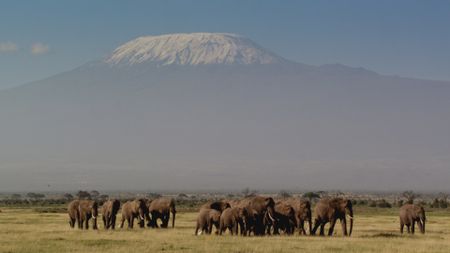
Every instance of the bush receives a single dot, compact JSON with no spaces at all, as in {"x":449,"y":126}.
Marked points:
{"x":362,"y":202}
{"x":372,"y":203}
{"x":384,"y":204}
{"x":284,"y":194}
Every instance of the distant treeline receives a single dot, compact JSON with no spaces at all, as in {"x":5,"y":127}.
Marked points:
{"x":191,"y":202}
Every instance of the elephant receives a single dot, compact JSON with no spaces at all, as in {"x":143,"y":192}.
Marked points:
{"x":161,"y":208}
{"x":303,"y":213}
{"x":109,"y":211}
{"x":409,"y":215}
{"x":330,"y":210}
{"x":255,"y":209}
{"x":88,"y":209}
{"x":231,"y":219}
{"x":74,"y":213}
{"x":284,"y":218}
{"x":206,"y":219}
{"x":134,"y":209}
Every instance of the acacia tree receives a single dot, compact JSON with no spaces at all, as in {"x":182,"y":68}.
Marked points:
{"x":16,"y":196}
{"x":68,"y":196}
{"x":284,"y":194}
{"x":95,"y":194}
{"x":410,"y":196}
{"x":83,"y":195}
{"x":311,"y":195}
{"x":35,"y":196}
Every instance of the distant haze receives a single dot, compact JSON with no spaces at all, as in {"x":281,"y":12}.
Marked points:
{"x":219,"y":112}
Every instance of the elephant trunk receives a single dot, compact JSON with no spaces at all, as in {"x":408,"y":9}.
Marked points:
{"x":310,"y":225}
{"x":423,"y":226}
{"x":351,"y":226}
{"x":173,"y":218}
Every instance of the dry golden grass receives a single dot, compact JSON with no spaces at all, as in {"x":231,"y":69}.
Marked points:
{"x":23,"y":230}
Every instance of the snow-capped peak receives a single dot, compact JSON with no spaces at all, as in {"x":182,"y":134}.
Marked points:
{"x":192,"y":49}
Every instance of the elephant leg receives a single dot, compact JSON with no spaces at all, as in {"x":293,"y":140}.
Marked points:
{"x":413,"y":227}
{"x":86,"y":223}
{"x":72,"y":222}
{"x":94,"y":224}
{"x":196,"y":229}
{"x":344,"y":226}
{"x":322,"y":229}
{"x":122,"y":221}
{"x":130,"y":222}
{"x":401,"y":227}
{"x":331,"y":229}
{"x":165,"y":221}
{"x":113,"y":222}
{"x":302,"y":228}
{"x":155,"y":217}
{"x":408,"y":226}
{"x":105,"y":223}
{"x":221,"y":228}
{"x":420,"y":225}
{"x":316,"y":226}
{"x":236,"y":228}
{"x":80,"y":223}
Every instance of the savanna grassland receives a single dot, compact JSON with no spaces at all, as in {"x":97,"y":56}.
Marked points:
{"x":376,"y":230}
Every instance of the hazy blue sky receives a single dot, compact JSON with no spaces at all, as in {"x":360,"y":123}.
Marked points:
{"x":407,"y":38}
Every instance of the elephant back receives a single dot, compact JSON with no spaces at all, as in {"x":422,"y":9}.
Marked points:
{"x":161,"y":204}
{"x":284,"y":208}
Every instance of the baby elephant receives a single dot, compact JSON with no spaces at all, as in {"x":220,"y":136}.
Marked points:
{"x":230,"y":219}
{"x":206,"y":219}
{"x":409,"y":215}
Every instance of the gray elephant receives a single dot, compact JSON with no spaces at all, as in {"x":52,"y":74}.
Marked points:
{"x":284,"y":218}
{"x":256,"y":208}
{"x":409,"y":215}
{"x":109,"y":211}
{"x":232,"y":218}
{"x":74,"y":213}
{"x":134,"y":209}
{"x":303,"y":213}
{"x":88,"y":209}
{"x":331,"y":210}
{"x":206,"y":219}
{"x":161,"y":208}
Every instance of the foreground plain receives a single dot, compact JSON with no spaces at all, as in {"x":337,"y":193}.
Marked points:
{"x":376,"y":230}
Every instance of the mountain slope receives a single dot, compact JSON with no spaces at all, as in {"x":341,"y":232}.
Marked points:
{"x":214,"y":126}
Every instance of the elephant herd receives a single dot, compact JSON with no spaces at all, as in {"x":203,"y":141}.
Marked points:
{"x":262,"y":215}
{"x":255,"y":215}
{"x":81,"y":211}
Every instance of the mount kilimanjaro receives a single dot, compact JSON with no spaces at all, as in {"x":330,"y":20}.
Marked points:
{"x":219,"y":112}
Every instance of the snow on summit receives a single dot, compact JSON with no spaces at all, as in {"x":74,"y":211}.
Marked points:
{"x":191,"y":49}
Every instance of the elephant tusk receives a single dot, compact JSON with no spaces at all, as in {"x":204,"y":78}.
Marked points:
{"x":270,"y":216}
{"x":142,"y":217}
{"x":350,"y":217}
